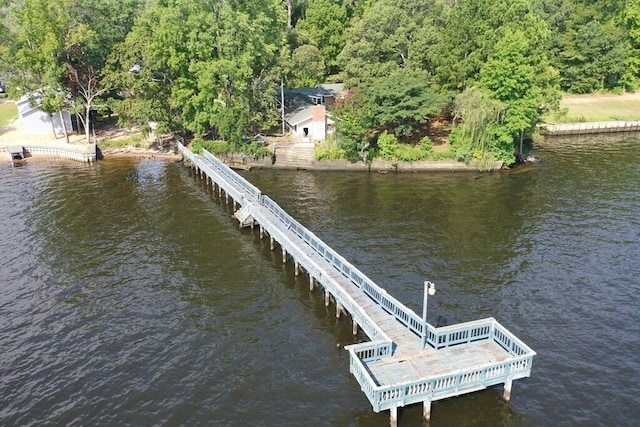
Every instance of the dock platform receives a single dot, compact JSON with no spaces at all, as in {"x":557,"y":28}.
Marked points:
{"x":407,"y":360}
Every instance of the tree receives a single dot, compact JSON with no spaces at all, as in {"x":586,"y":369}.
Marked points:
{"x":402,"y":100}
{"x":206,"y":66}
{"x":390,"y":36}
{"x":471,"y":31}
{"x":520,"y":80}
{"x":325,"y":21}
{"x":62,"y":45}
{"x":477,"y":116}
{"x":52,"y":100}
{"x":631,"y":18}
{"x":355,"y":123}
{"x":591,"y":43}
{"x":307,"y":67}
{"x":593,"y":58}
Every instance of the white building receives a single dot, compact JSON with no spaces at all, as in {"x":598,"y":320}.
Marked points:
{"x":306,"y":113}
{"x":37,"y":122}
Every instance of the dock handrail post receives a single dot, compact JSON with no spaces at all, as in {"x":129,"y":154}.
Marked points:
{"x":429,"y":289}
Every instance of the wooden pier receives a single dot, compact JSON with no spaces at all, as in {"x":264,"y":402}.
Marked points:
{"x":407,"y":360}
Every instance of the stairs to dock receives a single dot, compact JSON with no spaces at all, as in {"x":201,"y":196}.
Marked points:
{"x":295,"y":156}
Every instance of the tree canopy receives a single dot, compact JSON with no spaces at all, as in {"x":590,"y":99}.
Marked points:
{"x":213,"y":68}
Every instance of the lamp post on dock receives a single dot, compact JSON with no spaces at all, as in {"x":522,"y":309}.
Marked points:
{"x":429,"y":289}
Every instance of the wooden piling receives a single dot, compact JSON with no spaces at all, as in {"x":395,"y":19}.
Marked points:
{"x":354,"y":328}
{"x":338,"y":310}
{"x":312,"y":284}
{"x":296,"y":268}
{"x":393,"y":417}
{"x":507,"y":390}
{"x":327,"y":298}
{"x":426,"y":411}
{"x":284,"y":256}
{"x":272,"y":245}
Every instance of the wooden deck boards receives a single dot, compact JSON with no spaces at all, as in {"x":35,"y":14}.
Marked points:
{"x":429,"y":363}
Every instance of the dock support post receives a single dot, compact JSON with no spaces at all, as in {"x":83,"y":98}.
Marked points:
{"x":338,"y":310}
{"x":426,"y":411}
{"x":226,"y":199}
{"x":355,"y":328}
{"x":507,"y":390}
{"x":284,"y":256}
{"x":393,"y":417}
{"x":253,"y":223}
{"x":312,"y":284}
{"x":327,"y":298}
{"x":272,"y":245}
{"x":296,"y":268}
{"x":261,"y":232}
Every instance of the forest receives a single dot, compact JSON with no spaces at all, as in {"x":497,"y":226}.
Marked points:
{"x":212,"y":69}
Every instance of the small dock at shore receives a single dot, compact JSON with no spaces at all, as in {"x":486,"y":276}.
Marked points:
{"x":406,"y":360}
{"x":80,"y":153}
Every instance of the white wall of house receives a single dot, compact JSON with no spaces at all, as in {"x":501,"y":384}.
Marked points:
{"x":314,"y":128}
{"x":302,"y":130}
{"x":37,"y":122}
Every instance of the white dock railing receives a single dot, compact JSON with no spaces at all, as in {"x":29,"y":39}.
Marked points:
{"x":294,"y":238}
{"x":462,"y":381}
{"x":590,"y":127}
{"x":440,"y":387}
{"x":70,"y":153}
{"x":402,"y":313}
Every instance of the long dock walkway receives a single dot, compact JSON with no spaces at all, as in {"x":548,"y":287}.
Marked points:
{"x":407,"y":360}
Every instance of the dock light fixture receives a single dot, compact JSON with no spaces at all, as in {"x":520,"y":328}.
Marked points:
{"x":429,"y":289}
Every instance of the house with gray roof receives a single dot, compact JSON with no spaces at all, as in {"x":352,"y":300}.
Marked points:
{"x":307,"y":111}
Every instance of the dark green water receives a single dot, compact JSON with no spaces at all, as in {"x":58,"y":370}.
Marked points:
{"x":128,"y":295}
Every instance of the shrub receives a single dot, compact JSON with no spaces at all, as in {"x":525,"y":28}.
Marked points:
{"x":222,"y":148}
{"x":330,"y":150}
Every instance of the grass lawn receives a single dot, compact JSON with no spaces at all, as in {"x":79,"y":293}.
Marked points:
{"x":8,"y":113}
{"x":598,"y":108}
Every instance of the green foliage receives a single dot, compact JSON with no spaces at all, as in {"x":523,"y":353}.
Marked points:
{"x":631,"y":19}
{"x":592,"y":43}
{"x":478,"y":136}
{"x":402,"y":100}
{"x":354,"y":124}
{"x":392,"y":35}
{"x":307,"y":67}
{"x":519,"y":80}
{"x":389,"y":148}
{"x":203,"y":66}
{"x":329,"y":150}
{"x":223,"y":148}
{"x":135,"y":142}
{"x":59,"y":47}
{"x":325,"y":22}
{"x":471,"y":32}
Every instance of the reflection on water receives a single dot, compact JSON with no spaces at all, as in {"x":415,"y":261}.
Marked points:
{"x":129,"y":295}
